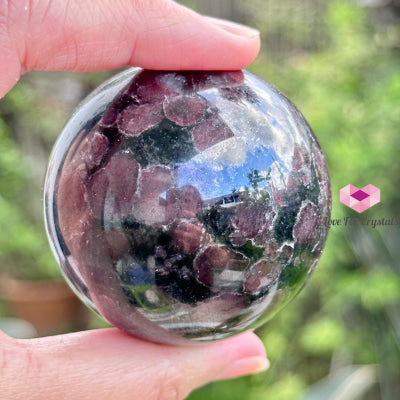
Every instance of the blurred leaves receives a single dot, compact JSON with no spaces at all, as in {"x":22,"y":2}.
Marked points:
{"x":321,"y":336}
{"x":24,"y":251}
{"x":12,"y":172}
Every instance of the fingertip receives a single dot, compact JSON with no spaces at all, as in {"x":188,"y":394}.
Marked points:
{"x":230,"y":358}
{"x":216,"y":44}
{"x":245,"y":366}
{"x":245,"y":354}
{"x":247,"y":344}
{"x":234,"y":27}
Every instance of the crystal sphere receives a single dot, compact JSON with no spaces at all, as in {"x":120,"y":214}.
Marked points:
{"x":187,"y":206}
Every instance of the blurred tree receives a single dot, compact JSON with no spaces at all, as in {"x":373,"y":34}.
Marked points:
{"x":24,"y":252}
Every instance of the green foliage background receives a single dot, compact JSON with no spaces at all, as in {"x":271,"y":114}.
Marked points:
{"x":341,"y":68}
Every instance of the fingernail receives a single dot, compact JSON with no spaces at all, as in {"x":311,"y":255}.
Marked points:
{"x":234,"y":27}
{"x":245,"y":366}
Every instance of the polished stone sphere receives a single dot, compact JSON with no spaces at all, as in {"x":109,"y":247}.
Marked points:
{"x":187,"y":206}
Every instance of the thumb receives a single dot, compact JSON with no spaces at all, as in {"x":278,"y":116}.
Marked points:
{"x":109,"y":364}
{"x":90,"y":35}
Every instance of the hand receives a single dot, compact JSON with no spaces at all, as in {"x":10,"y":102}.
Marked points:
{"x":93,"y":35}
{"x":90,"y":35}
{"x":109,"y":364}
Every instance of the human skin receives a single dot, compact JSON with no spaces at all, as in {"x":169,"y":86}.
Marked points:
{"x":92,"y":35}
